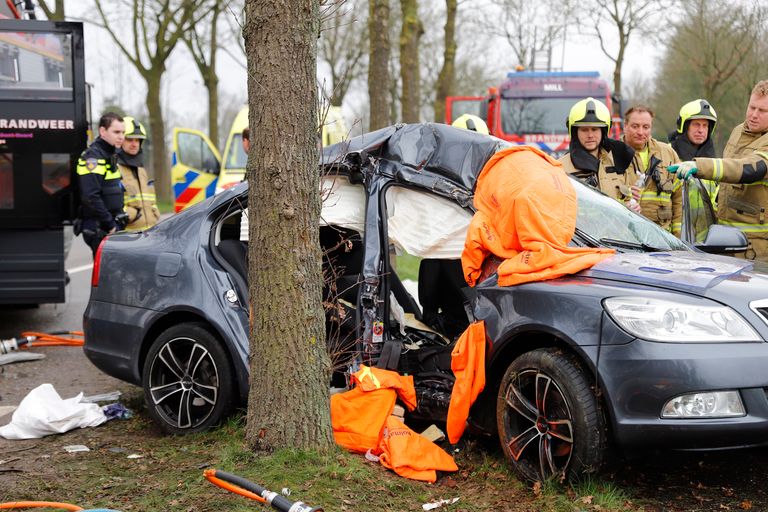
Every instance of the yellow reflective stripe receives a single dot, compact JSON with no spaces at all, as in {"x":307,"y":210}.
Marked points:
{"x":717,"y":175}
{"x":677,"y":226}
{"x":139,"y":197}
{"x":111,"y":174}
{"x":665,"y":197}
{"x":368,"y":373}
{"x":762,"y":154}
{"x":747,"y":228}
{"x":676,"y":185}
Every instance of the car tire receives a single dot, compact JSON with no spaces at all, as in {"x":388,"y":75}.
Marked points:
{"x":548,"y":416}
{"x":187,"y":380}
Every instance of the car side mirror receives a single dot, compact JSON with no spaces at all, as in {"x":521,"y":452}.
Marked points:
{"x":723,"y":239}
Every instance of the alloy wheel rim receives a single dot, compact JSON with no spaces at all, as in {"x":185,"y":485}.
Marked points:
{"x":538,"y":423}
{"x":184,"y":383}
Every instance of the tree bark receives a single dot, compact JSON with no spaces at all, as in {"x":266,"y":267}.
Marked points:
{"x":410,"y":75}
{"x":288,"y":404}
{"x":446,"y":80}
{"x":378,"y":63}
{"x":157,"y":136}
{"x":54,"y":14}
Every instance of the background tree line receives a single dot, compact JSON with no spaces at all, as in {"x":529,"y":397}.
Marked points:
{"x":396,"y":60}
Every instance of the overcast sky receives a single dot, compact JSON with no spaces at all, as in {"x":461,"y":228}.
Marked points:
{"x":185,"y":100}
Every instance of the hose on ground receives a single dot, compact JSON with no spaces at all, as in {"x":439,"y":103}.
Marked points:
{"x":243,"y":487}
{"x":38,"y":504}
{"x":29,"y":339}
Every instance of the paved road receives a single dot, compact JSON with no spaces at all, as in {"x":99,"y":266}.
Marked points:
{"x":66,"y":368}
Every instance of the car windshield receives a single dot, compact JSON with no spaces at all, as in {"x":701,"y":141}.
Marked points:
{"x":608,"y":222}
{"x":535,"y":115}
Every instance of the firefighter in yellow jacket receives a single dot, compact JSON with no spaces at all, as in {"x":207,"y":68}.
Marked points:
{"x":660,"y":195}
{"x":594,"y":158}
{"x":139,"y":190}
{"x":743,"y":197}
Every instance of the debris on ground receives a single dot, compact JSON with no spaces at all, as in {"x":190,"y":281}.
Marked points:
{"x":43,"y":412}
{"x":439,"y":503}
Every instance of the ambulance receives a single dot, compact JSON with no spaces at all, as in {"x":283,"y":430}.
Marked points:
{"x":199,"y":170}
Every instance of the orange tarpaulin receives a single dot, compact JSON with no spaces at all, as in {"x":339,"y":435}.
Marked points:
{"x":526,"y":215}
{"x":358,"y":415}
{"x":468,"y":365}
{"x":410,"y":454}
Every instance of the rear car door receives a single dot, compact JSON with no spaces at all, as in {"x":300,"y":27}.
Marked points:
{"x":195,"y":168}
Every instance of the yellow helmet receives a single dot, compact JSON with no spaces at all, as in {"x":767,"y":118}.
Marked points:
{"x":134,"y":129}
{"x":589,"y":112}
{"x":697,"y":109}
{"x":471,"y":123}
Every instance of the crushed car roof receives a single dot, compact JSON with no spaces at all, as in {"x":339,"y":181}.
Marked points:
{"x":428,"y":154}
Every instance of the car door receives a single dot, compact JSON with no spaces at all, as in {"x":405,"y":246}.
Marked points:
{"x":195,"y":167}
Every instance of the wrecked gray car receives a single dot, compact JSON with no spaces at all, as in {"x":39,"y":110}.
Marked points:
{"x":660,"y":345}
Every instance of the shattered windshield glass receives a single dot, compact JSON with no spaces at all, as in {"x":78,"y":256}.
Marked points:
{"x":604,"y":218}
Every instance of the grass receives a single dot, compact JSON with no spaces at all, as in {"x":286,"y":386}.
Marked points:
{"x":408,"y":267}
{"x":169,"y":476}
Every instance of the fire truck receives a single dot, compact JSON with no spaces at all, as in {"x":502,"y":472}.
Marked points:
{"x":531,"y":107}
{"x":43,"y":130}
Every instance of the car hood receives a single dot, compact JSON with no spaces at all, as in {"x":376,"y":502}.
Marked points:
{"x":720,"y":278}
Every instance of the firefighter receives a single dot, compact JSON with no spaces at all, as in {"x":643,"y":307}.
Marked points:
{"x":99,"y":180}
{"x":659,"y":194}
{"x":594,"y":158}
{"x":695,"y":126}
{"x":743,"y":196}
{"x":139,"y":190}
{"x":471,"y":123}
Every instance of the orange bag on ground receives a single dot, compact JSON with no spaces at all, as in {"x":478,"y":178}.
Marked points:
{"x":358,"y":415}
{"x":526,"y":215}
{"x":468,"y":365}
{"x":410,"y":454}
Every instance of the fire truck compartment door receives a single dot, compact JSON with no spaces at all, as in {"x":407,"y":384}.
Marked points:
{"x":195,"y":167}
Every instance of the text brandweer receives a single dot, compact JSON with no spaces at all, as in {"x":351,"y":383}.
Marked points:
{"x":43,"y":124}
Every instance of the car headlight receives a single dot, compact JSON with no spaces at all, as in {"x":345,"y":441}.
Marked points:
{"x":713,"y":404}
{"x":667,"y":321}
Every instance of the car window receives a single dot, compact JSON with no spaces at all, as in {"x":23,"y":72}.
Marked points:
{"x":698,"y":197}
{"x":236,"y":157}
{"x":194,"y":152}
{"x":602,"y":217}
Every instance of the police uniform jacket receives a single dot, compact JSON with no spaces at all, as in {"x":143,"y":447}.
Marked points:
{"x":743,"y":196}
{"x":100,"y":190}
{"x":661,"y":199}
{"x":139,"y":193}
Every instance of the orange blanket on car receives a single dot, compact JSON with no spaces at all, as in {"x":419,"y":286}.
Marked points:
{"x":526,"y":215}
{"x":358,"y":415}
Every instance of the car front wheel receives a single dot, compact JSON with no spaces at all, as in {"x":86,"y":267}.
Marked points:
{"x":548,"y":417}
{"x":187,"y":380}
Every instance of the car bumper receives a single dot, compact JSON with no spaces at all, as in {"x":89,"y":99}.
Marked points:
{"x":113,"y":338}
{"x":640,"y":377}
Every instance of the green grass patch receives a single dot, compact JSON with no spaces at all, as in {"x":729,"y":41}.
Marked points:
{"x":408,"y":267}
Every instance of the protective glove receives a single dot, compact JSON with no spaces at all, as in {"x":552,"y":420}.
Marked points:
{"x":683,"y":170}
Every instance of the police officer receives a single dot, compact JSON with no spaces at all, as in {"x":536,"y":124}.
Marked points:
{"x":594,"y":158}
{"x":99,"y":178}
{"x":660,"y":195}
{"x":472,"y":123}
{"x":139,"y":191}
{"x":743,"y":196}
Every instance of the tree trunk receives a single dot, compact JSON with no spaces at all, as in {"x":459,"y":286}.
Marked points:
{"x":410,"y":75}
{"x":157,"y":137}
{"x":212,"y":80}
{"x":619,"y":63}
{"x":446,"y":80}
{"x":378,"y":63}
{"x":55,"y":14}
{"x":288,"y":404}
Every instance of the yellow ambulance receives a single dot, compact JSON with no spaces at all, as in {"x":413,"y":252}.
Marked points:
{"x":198,"y":170}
